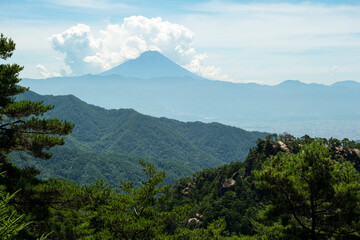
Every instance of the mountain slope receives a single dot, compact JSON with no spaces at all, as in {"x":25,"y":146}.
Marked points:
{"x":106,"y":134}
{"x":228,"y":191}
{"x":150,"y":64}
{"x":292,"y":106}
{"x":86,"y":167}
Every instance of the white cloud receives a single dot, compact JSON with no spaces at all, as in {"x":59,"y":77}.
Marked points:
{"x":45,"y":73}
{"x":210,"y":72}
{"x":77,"y":43}
{"x":118,"y":43}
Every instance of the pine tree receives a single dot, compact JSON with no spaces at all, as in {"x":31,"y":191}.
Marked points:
{"x":136,"y":214}
{"x":22,"y":127}
{"x":321,"y":195}
{"x":10,"y":222}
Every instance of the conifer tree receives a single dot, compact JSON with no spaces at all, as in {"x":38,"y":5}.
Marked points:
{"x":10,"y":222}
{"x":321,"y":195}
{"x":22,"y":127}
{"x":136,"y":214}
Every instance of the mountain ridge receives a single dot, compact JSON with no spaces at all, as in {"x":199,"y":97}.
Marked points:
{"x":150,"y":64}
{"x":120,"y":137}
{"x":292,"y":106}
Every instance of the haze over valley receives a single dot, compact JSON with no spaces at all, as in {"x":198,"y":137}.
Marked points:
{"x":153,"y":84}
{"x":186,"y":120}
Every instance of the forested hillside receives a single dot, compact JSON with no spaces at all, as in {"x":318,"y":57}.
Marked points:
{"x":228,"y":202}
{"x":230,"y":191}
{"x":111,"y":141}
{"x":287,"y":188}
{"x":154,"y":85}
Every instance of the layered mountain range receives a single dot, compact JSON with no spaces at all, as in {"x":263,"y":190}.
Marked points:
{"x":107,"y":144}
{"x":152,"y":84}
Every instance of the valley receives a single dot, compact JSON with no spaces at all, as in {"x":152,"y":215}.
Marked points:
{"x":107,"y":144}
{"x":143,"y":84}
{"x":224,"y":120}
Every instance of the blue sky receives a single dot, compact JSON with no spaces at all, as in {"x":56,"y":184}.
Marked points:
{"x":241,"y":41}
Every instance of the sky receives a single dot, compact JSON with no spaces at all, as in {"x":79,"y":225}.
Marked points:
{"x":265,"y":42}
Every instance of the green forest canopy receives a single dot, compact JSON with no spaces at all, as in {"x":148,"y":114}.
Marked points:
{"x":261,"y":198}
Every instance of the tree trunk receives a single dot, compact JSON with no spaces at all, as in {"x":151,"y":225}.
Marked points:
{"x":313,"y":218}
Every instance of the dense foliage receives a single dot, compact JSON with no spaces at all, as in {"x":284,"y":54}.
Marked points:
{"x":321,"y":195}
{"x":235,"y":201}
{"x":86,"y":167}
{"x":251,"y":203}
{"x":288,"y":188}
{"x":108,"y":143}
{"x":10,"y":221}
{"x":22,"y":129}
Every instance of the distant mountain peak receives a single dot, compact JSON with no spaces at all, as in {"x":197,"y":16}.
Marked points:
{"x":151,"y":53}
{"x":150,"y":64}
{"x":346,"y":83}
{"x":290,"y":82}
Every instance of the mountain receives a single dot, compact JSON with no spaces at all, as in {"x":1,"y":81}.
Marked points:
{"x":346,"y":84}
{"x":292,"y":106}
{"x":228,"y":191}
{"x":150,"y":64}
{"x":108,"y":143}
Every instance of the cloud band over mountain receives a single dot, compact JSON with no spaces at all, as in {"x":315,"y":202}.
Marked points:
{"x":118,"y":43}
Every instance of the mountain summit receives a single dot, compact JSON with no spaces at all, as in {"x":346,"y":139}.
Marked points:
{"x":150,"y":64}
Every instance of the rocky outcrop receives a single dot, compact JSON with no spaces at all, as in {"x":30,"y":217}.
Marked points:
{"x":283,"y":147}
{"x":195,"y":222}
{"x":187,"y":189}
{"x":350,"y":154}
{"x":347,"y":153}
{"x":357,"y":152}
{"x":229,"y":182}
